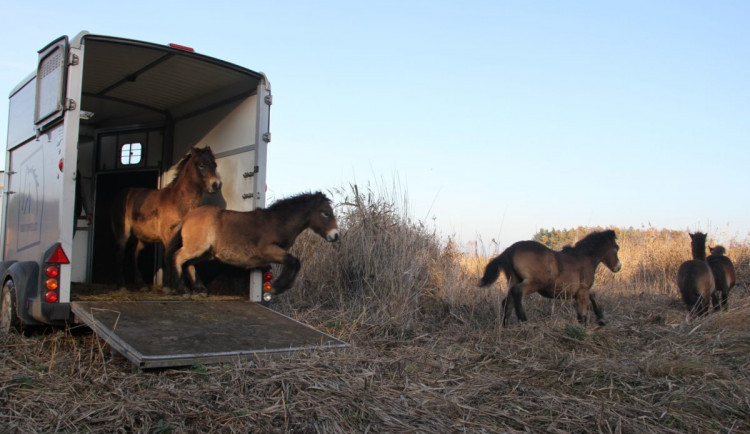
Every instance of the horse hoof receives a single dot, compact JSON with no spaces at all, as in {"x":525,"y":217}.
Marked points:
{"x":166,"y":290}
{"x":123,"y":290}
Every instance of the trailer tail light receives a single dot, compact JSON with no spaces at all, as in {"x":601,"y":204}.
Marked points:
{"x":267,"y":287}
{"x":52,"y":274}
{"x":58,"y":256}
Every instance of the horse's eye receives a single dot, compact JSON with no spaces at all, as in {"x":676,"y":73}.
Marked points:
{"x":325,"y":214}
{"x":201,"y":166}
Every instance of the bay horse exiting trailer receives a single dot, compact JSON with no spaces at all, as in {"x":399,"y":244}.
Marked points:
{"x":695,"y":279}
{"x":149,"y":216}
{"x":532,"y":267}
{"x":250,"y":239}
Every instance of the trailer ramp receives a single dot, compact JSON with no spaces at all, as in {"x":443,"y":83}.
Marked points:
{"x":159,"y":334}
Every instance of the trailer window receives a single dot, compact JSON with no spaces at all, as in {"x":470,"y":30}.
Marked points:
{"x":130,"y":154}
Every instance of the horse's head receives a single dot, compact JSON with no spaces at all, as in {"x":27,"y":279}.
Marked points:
{"x":322,"y":220}
{"x":204,"y":162}
{"x":698,"y":245}
{"x":717,"y":250}
{"x":610,"y":258}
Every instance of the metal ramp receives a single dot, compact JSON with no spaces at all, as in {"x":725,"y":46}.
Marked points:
{"x":159,"y":334}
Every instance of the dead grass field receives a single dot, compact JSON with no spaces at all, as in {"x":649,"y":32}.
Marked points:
{"x":427,"y":354}
{"x":646,"y":371}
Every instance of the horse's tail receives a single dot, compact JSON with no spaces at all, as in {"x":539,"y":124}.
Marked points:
{"x":494,"y":267}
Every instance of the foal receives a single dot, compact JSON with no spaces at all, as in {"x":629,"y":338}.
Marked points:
{"x":695,"y":279}
{"x":250,"y":239}
{"x":152,"y":216}
{"x":532,"y":267}
{"x":725,"y":276}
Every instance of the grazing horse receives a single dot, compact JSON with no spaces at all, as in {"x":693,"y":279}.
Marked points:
{"x":249,"y":239}
{"x":151,"y":216}
{"x":533,"y":267}
{"x":725,"y":276}
{"x":694,"y":277}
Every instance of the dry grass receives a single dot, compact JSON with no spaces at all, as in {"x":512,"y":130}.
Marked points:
{"x":427,"y":355}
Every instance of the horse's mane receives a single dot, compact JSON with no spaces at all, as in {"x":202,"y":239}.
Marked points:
{"x":183,"y":161}
{"x":179,"y":166}
{"x":592,"y":242}
{"x":303,"y":200}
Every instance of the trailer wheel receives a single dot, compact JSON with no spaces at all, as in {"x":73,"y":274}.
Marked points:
{"x":9,"y":320}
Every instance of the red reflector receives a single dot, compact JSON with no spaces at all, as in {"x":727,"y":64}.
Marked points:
{"x":59,"y":257}
{"x":50,"y":297}
{"x":182,"y":47}
{"x":52,"y":271}
{"x":60,"y":164}
{"x":267,"y":276}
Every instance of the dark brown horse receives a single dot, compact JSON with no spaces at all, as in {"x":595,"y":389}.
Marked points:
{"x":250,"y":239}
{"x":532,"y":267}
{"x":694,"y":277}
{"x":150,"y":216}
{"x":725,"y":276}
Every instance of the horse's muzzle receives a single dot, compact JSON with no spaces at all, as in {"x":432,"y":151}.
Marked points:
{"x":332,"y":236}
{"x":214,"y":187}
{"x":617,"y":267}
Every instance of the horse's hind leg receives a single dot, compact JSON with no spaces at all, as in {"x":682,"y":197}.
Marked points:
{"x":597,"y":310}
{"x":137,"y":277}
{"x":290,"y":268}
{"x":516,"y":293}
{"x":506,"y":307}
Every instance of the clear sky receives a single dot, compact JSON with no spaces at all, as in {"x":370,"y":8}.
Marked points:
{"x":494,"y":118}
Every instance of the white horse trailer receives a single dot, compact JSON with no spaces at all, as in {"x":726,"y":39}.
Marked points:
{"x":101,"y":114}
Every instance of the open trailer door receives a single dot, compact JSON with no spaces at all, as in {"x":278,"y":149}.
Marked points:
{"x":160,"y":334}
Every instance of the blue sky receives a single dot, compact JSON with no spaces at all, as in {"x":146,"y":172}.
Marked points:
{"x":494,"y":118}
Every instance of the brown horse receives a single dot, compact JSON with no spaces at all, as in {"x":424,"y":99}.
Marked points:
{"x":532,"y":267}
{"x":694,"y":277}
{"x":150,"y":216}
{"x":725,"y":276}
{"x":249,"y":239}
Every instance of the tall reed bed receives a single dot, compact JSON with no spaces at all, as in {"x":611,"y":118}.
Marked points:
{"x":398,"y":274}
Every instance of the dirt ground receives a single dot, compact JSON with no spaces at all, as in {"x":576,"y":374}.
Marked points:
{"x":647,"y":370}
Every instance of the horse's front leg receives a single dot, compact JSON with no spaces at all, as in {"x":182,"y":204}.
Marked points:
{"x":582,"y":306}
{"x":289,"y":270}
{"x":597,"y":310}
{"x":182,"y":279}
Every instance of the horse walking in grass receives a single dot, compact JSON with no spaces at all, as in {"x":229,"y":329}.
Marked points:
{"x":249,"y":239}
{"x":695,"y":279}
{"x":150,"y":216}
{"x":725,"y":276}
{"x":532,"y":267}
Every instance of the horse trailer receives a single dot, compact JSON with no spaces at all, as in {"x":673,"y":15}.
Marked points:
{"x":100,"y":114}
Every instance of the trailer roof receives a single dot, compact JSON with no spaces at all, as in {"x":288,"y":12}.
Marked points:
{"x":145,"y":82}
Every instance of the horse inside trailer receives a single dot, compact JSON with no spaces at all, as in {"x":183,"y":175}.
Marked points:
{"x":101,"y":114}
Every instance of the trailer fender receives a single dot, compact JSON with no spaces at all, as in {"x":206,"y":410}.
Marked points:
{"x":25,"y":276}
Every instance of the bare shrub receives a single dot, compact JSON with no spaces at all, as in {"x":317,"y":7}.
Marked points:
{"x":382,"y":269}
